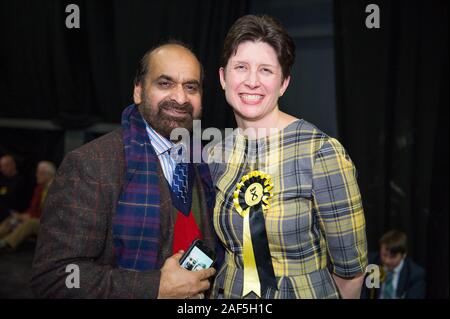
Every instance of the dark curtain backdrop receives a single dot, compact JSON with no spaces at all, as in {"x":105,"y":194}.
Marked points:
{"x":80,"y":76}
{"x":393,"y":119}
{"x":392,"y":93}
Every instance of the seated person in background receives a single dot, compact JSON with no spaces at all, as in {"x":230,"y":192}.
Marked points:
{"x":400,"y":276}
{"x":11,"y":186}
{"x":19,"y":226}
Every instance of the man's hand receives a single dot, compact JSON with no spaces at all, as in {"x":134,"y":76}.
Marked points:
{"x":177,"y":282}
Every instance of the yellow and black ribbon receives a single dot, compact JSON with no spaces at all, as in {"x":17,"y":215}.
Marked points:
{"x":251,"y":198}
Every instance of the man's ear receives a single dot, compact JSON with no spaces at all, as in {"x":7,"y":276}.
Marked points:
{"x":137,"y":94}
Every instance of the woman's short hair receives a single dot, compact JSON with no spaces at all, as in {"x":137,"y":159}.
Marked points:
{"x":265,"y":29}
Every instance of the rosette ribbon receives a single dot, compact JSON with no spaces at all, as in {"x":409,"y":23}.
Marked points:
{"x":251,"y":199}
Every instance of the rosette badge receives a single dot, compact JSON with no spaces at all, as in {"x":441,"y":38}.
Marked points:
{"x":251,"y":197}
{"x":254,"y":188}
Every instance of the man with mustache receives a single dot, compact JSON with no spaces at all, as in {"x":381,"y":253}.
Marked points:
{"x":121,"y":209}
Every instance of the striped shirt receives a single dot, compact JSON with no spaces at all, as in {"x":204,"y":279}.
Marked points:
{"x":162,"y":148}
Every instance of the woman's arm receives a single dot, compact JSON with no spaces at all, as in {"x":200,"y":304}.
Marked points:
{"x":349,"y":288}
{"x":340,"y":212}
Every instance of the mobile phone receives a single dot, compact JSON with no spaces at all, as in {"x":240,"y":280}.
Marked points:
{"x":197,"y":257}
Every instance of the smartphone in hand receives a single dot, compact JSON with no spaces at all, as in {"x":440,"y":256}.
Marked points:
{"x":197,"y":257}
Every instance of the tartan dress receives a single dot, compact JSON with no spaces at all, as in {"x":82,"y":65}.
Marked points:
{"x":315,"y":224}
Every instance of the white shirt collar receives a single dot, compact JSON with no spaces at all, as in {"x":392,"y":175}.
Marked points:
{"x":397,"y":269}
{"x":159,"y":142}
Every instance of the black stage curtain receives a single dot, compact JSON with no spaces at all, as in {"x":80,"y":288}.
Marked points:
{"x":393,"y":115}
{"x":77,"y":77}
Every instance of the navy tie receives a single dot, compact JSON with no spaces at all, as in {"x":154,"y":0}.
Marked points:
{"x":180,"y":182}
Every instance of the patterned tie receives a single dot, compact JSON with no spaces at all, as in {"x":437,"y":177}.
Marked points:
{"x":180,"y":182}
{"x":388,"y":286}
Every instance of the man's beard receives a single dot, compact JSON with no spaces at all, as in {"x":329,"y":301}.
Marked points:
{"x":162,"y":122}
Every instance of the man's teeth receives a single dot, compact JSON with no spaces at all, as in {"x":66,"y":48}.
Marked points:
{"x":249,"y":97}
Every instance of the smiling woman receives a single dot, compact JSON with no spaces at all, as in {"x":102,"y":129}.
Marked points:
{"x":254,"y":81}
{"x":302,"y":209}
{"x":255,"y":71}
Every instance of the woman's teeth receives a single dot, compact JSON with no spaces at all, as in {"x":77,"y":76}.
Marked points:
{"x":251,"y":97}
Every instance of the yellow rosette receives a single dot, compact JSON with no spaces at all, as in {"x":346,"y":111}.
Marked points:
{"x":251,"y":198}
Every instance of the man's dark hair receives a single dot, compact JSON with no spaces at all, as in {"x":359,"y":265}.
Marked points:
{"x":143,"y":65}
{"x":263,"y":29}
{"x":395,"y":242}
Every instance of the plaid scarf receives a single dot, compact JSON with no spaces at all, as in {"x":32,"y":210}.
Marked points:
{"x":137,"y":222}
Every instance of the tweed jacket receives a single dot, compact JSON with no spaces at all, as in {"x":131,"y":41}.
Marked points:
{"x":76,"y":230}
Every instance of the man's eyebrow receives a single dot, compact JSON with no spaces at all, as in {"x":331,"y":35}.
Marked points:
{"x":169,"y":78}
{"x":192,"y":82}
{"x":165,"y":77}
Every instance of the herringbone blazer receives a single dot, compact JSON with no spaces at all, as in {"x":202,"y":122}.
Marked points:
{"x":76,"y":226}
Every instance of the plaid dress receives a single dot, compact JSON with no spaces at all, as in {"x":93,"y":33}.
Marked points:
{"x":315,"y":224}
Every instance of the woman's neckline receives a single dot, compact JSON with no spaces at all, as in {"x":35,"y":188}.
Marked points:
{"x":278,"y":131}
